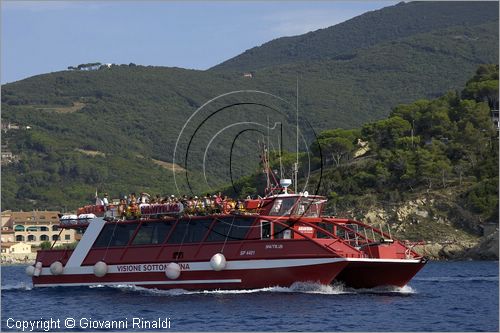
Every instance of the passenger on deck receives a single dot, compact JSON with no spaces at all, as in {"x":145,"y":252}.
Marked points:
{"x":133,"y":210}
{"x":180,"y":205}
{"x":190,"y":206}
{"x":144,"y":198}
{"x":105,"y":201}
{"x":131,"y":198}
{"x":207,"y":204}
{"x":122,"y":207}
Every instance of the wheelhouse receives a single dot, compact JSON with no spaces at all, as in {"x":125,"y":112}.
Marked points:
{"x":293,"y":205}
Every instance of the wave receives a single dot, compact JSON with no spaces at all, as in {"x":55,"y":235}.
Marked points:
{"x":405,"y":290}
{"x":298,"y":287}
{"x":18,"y":286}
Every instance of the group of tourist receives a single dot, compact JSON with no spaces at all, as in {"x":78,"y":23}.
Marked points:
{"x":133,"y":205}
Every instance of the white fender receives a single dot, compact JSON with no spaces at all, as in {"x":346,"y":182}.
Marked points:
{"x":56,"y":268}
{"x":38,"y":269}
{"x":173,"y":271}
{"x":218,"y":262}
{"x":100,"y":269}
{"x":30,"y":270}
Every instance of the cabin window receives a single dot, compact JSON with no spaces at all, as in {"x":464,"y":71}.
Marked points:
{"x":115,"y":234}
{"x":152,"y":233}
{"x":325,"y":226}
{"x":265,"y":230}
{"x":189,"y":231}
{"x":282,"y":206}
{"x":308,"y":207}
{"x":282,"y":231}
{"x":232,"y":229}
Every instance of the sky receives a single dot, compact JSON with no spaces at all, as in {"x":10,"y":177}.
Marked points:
{"x":45,"y":36}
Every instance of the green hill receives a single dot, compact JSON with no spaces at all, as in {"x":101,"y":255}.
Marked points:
{"x":343,"y":40}
{"x":115,"y":129}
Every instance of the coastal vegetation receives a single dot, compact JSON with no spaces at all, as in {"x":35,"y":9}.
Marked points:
{"x":444,"y":148}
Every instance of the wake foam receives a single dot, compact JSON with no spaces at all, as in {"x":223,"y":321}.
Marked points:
{"x":405,"y":290}
{"x":18,"y":286}
{"x":298,"y":287}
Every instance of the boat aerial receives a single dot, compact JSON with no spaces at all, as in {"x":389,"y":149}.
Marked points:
{"x":276,"y":240}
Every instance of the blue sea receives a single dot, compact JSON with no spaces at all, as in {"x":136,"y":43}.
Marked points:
{"x":444,"y":296}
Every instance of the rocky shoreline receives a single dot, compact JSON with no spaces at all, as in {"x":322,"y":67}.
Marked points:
{"x":486,"y":249}
{"x":449,"y":231}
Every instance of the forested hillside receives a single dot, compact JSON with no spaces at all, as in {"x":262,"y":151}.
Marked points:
{"x":442,"y":151}
{"x":342,"y":41}
{"x":115,"y":129}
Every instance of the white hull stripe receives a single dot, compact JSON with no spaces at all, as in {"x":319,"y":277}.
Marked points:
{"x":143,"y":283}
{"x":399,"y":261}
{"x":200,"y":266}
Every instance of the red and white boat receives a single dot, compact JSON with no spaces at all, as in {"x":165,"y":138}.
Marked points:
{"x":274,"y":241}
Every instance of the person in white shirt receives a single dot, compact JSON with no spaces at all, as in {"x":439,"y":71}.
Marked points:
{"x":105,"y":200}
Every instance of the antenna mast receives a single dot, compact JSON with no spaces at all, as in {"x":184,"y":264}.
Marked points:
{"x":296,"y":168}
{"x":280,"y":144}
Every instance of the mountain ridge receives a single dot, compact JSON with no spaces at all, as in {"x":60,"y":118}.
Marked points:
{"x":344,"y":38}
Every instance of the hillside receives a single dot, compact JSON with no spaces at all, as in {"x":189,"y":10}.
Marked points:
{"x":429,"y":171}
{"x":341,"y":41}
{"x":115,"y":129}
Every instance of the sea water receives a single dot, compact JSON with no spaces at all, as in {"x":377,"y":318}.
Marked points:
{"x":444,"y":296}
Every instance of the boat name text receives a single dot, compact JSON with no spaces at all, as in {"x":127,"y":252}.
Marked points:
{"x":148,"y":267}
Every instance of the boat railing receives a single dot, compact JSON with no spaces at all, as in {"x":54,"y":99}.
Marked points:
{"x":333,"y":237}
{"x":353,"y":236}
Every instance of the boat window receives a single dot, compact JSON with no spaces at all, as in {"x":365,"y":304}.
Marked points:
{"x":265,"y":229}
{"x":115,"y":234}
{"x":152,"y":233}
{"x":282,"y":206}
{"x":309,"y":207}
{"x":325,"y":226}
{"x":189,"y":231}
{"x":231,"y":228}
{"x":282,"y":231}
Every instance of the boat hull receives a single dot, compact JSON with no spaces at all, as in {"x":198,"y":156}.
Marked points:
{"x":372,"y":273}
{"x":258,"y":274}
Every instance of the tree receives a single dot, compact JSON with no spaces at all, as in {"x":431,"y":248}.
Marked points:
{"x":45,"y":245}
{"x":337,"y":144}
